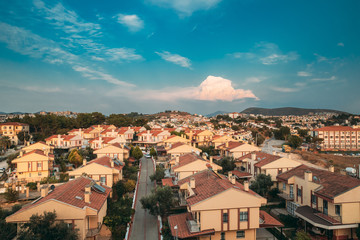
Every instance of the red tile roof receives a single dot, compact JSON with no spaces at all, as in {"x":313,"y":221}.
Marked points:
{"x":333,"y":184}
{"x":268,"y":220}
{"x":262,"y":157}
{"x":167,"y":182}
{"x":176,"y":145}
{"x":179,"y":220}
{"x":241,"y":174}
{"x":231,"y":146}
{"x":208,"y":184}
{"x":13,"y":124}
{"x":103,"y":139}
{"x":186,"y":159}
{"x":67,"y":193}
{"x":105,"y":161}
{"x":38,"y":151}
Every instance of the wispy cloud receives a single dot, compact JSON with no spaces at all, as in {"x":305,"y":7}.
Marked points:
{"x":98,"y":75}
{"x":41,"y":89}
{"x":267,"y":54}
{"x":175,"y":58}
{"x":340,"y":44}
{"x":132,"y":22}
{"x":186,"y":7}
{"x":304,"y":74}
{"x":285,"y":89}
{"x":120,"y":54}
{"x":332,"y":78}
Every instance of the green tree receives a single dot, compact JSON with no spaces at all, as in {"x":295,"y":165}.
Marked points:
{"x":23,"y":136}
{"x":11,"y":195}
{"x":301,"y":235}
{"x":137,"y":153}
{"x":159,"y":202}
{"x":158,"y":175}
{"x":153,"y":152}
{"x":46,"y":227}
{"x":7,"y":230}
{"x":75,"y":158}
{"x":227,"y":164}
{"x":282,"y":133}
{"x":235,"y":127}
{"x":294,"y":141}
{"x":262,"y":184}
{"x":87,"y":153}
{"x":303,"y":132}
{"x":5,"y":143}
{"x":10,"y":158}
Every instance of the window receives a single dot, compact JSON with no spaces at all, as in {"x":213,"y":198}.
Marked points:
{"x":325,"y":207}
{"x":103,"y":180}
{"x":39,"y":165}
{"x":29,"y":165}
{"x":313,"y":199}
{"x":240,"y":234}
{"x":243,"y":216}
{"x":338,"y":210}
{"x":299,"y":192}
{"x":284,"y":186}
{"x":39,"y":174}
{"x":222,"y":236}
{"x":225,"y":217}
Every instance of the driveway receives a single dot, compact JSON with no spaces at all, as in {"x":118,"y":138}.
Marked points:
{"x":144,"y":225}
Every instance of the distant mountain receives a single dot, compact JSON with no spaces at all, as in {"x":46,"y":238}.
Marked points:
{"x":216,"y":113}
{"x":287,"y":111}
{"x":12,"y":113}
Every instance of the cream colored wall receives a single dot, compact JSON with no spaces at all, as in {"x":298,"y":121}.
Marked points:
{"x":32,"y":174}
{"x":95,"y":171}
{"x":350,"y":212}
{"x":249,"y":235}
{"x":39,"y":146}
{"x":350,"y":196}
{"x":194,"y":167}
{"x":307,"y":187}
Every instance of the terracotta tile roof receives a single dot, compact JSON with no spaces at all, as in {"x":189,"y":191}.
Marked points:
{"x":37,"y":151}
{"x":186,"y":159}
{"x":241,"y":174}
{"x":179,"y":220}
{"x":231,"y":146}
{"x":268,"y":220}
{"x":176,"y":145}
{"x":337,"y":128}
{"x":103,"y":139}
{"x":67,"y":193}
{"x":167,"y":182}
{"x":333,"y":184}
{"x":263,"y":158}
{"x":105,"y":161}
{"x":13,"y":124}
{"x":64,"y":137}
{"x":208,"y":184}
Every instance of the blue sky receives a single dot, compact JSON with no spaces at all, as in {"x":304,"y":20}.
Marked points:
{"x":193,"y":55}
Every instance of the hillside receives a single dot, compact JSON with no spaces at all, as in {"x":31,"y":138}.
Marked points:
{"x":287,"y":111}
{"x":216,"y":113}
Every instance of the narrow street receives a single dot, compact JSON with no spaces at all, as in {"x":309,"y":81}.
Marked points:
{"x":145,"y":225}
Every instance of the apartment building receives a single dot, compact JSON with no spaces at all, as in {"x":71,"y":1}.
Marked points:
{"x":81,"y":203}
{"x":257,"y":163}
{"x":339,"y":138}
{"x":12,"y":129}
{"x":103,"y":169}
{"x":328,"y":202}
{"x":33,"y":166}
{"x":218,"y":208}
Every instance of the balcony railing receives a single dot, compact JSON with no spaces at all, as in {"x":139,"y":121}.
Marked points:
{"x":92,"y":232}
{"x":192,"y":225}
{"x":334,"y":219}
{"x":286,"y":196}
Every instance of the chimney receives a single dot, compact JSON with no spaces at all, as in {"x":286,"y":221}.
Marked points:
{"x":44,"y":191}
{"x":233,"y":180}
{"x":211,"y":159}
{"x":227,"y":144}
{"x":192,"y":182}
{"x":246,"y":186}
{"x":84,"y":162}
{"x":253,"y":156}
{"x":38,"y":186}
{"x":229,"y":175}
{"x":87,"y":193}
{"x":308,"y":176}
{"x":331,"y":168}
{"x":21,"y":153}
{"x":111,"y":163}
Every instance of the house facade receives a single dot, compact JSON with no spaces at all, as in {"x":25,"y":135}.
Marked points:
{"x":12,"y":129}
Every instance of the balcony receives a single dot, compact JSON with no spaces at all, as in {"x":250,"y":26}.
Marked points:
{"x":92,"y":232}
{"x":192,"y":225}
{"x":329,"y":218}
{"x":286,"y":196}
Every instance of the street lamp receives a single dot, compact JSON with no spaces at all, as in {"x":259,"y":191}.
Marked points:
{"x":176,"y":229}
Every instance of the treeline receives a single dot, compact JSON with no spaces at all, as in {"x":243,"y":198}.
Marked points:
{"x":43,"y":126}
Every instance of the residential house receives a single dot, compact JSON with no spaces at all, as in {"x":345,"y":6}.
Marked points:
{"x":80,"y":203}
{"x":200,"y":137}
{"x":189,"y":164}
{"x":218,"y":140}
{"x":65,"y":141}
{"x":257,"y":163}
{"x":115,"y":151}
{"x":38,"y":146}
{"x":152,"y":137}
{"x":172,"y":140}
{"x":179,"y":148}
{"x":12,"y":129}
{"x":236,"y":149}
{"x":33,"y":166}
{"x":101,"y":142}
{"x":104,"y":169}
{"x":218,"y":208}
{"x":328,"y":202}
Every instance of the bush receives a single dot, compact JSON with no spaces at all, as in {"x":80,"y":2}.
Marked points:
{"x":288,"y":221}
{"x":11,"y":195}
{"x":32,"y":186}
{"x":273,"y":194}
{"x":301,"y":235}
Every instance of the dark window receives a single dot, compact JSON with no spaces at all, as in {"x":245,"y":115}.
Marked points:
{"x":299,"y":192}
{"x":225,"y":217}
{"x":222,"y":236}
{"x":240,"y":234}
{"x":338,"y":210}
{"x":313,"y":199}
{"x":325,"y":207}
{"x":243,"y":216}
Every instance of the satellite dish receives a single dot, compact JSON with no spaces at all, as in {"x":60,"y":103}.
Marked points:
{"x":52,"y":187}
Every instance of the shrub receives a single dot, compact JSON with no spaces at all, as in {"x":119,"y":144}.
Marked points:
{"x":32,"y":186}
{"x":11,"y":195}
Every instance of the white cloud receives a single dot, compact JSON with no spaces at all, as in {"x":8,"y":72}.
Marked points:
{"x":332,"y":78}
{"x":255,"y":79}
{"x":128,"y":54}
{"x":186,"y":7}
{"x":304,"y":74}
{"x":41,"y":89}
{"x":340,"y":44}
{"x":132,"y":22}
{"x":285,"y":89}
{"x":175,"y":58}
{"x":211,"y":89}
{"x":300,"y":84}
{"x":267,"y":54}
{"x":98,"y":58}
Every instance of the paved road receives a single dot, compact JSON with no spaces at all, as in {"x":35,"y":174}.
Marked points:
{"x":269,"y":144}
{"x":145,"y":225}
